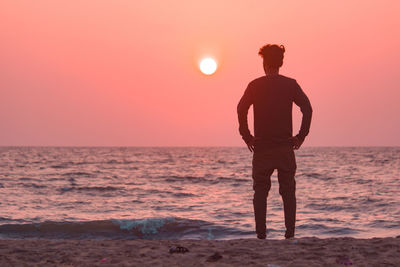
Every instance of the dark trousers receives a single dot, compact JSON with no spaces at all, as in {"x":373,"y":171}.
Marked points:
{"x":265,"y":161}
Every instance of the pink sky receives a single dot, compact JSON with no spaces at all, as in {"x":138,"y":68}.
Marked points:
{"x":126,"y":73}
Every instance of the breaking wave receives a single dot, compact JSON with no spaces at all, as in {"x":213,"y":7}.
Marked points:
{"x":171,"y":228}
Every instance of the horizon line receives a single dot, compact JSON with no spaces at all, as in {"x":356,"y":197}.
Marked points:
{"x":190,"y":146}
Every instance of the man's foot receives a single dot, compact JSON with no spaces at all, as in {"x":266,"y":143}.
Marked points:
{"x":261,"y":236}
{"x":289,"y":234}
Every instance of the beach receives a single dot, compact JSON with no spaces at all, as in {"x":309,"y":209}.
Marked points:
{"x":306,"y":251}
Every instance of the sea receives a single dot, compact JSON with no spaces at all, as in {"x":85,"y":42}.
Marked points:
{"x":191,"y":193}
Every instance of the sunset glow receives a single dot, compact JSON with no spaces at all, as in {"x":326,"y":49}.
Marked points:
{"x":128,"y":72}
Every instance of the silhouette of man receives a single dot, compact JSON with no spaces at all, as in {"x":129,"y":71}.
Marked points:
{"x":273,"y":144}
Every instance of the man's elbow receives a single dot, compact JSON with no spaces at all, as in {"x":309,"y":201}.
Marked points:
{"x":240,"y":109}
{"x":307,"y":110}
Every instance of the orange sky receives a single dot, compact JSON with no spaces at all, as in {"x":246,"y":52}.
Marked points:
{"x":125,"y":72}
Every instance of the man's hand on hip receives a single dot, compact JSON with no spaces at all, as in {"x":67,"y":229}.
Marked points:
{"x":296,"y":142}
{"x":250,"y":144}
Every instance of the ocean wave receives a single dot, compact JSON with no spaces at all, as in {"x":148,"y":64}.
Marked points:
{"x":28,"y":179}
{"x":328,"y":230}
{"x":181,"y":194}
{"x":330,"y":207}
{"x":192,"y":179}
{"x":199,"y":179}
{"x":230,"y":179}
{"x":62,"y":165}
{"x":384,"y":224}
{"x":170,"y":228}
{"x":305,"y":156}
{"x":84,"y":174}
{"x":98,"y":188}
{"x":318,"y":176}
{"x":90,"y":188}
{"x":32,"y":185}
{"x":8,"y":219}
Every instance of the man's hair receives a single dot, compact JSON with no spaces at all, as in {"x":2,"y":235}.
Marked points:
{"x":272,"y":55}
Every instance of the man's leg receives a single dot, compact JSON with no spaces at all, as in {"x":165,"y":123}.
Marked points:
{"x":261,"y":186}
{"x":287,"y":187}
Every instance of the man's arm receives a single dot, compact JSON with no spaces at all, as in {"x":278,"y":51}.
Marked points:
{"x":301,"y":100}
{"x":242,"y":109}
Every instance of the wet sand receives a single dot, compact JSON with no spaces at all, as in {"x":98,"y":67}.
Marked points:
{"x":307,"y":251}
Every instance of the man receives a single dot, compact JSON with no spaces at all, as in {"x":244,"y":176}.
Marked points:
{"x":272,"y":97}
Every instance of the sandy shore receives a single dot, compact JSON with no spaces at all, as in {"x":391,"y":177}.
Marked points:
{"x":309,"y":251}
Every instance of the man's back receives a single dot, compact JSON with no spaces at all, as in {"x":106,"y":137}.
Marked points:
{"x":272,"y":97}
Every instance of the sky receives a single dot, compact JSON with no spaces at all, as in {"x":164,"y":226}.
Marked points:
{"x":125,"y":73}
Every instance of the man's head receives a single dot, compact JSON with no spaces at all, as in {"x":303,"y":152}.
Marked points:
{"x":272,"y":56}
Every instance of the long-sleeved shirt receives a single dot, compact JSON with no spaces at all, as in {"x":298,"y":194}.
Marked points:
{"x":272,"y":98}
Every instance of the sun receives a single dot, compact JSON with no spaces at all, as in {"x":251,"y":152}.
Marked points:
{"x":208,"y":66}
